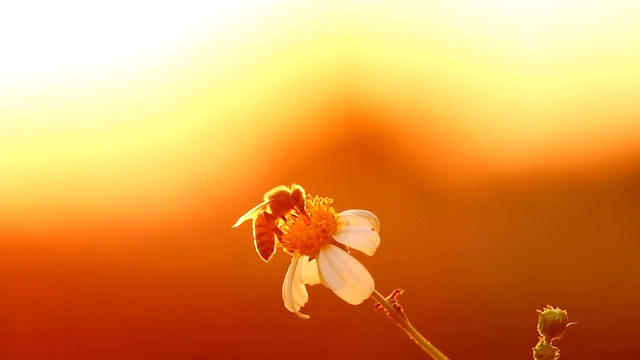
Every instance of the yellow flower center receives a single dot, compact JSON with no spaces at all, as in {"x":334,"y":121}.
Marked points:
{"x":305,"y":234}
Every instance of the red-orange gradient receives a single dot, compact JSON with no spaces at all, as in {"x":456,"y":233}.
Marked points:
{"x":502,"y":159}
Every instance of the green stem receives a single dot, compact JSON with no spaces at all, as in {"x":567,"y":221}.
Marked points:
{"x":403,"y":322}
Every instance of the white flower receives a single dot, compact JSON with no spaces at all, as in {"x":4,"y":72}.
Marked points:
{"x":308,"y":228}
{"x":332,"y":266}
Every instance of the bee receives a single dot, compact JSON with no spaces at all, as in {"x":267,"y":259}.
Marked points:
{"x":277,"y":204}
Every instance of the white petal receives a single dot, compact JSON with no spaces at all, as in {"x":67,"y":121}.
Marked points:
{"x":300,"y":295}
{"x":343,"y":274}
{"x":370,"y":217}
{"x":309,"y":271}
{"x":287,"y":292}
{"x":358,"y":237}
{"x":294,"y":292}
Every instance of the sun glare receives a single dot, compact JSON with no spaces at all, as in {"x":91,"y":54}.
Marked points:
{"x":44,"y":39}
{"x":138,"y":103}
{"x":91,"y":95}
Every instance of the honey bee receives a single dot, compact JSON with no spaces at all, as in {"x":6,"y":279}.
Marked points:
{"x":277,"y":204}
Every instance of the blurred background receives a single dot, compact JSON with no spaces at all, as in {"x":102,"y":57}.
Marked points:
{"x":497,"y":141}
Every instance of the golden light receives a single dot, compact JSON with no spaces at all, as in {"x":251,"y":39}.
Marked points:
{"x":482,"y":133}
{"x":93,"y":95}
{"x":520,"y":83}
{"x":141,"y":102}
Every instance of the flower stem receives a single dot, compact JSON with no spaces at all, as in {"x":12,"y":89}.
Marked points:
{"x":403,"y":322}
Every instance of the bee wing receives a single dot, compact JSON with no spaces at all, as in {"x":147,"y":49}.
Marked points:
{"x":251,"y":214}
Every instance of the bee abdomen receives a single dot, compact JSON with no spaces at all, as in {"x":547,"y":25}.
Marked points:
{"x":264,"y":236}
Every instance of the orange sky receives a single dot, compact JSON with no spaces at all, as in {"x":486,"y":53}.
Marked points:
{"x":133,"y":135}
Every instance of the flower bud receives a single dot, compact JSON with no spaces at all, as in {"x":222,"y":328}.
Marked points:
{"x":545,"y":351}
{"x":552,"y":322}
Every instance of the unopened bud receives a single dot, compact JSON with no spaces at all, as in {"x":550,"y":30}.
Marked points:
{"x":552,"y":322}
{"x":545,"y":351}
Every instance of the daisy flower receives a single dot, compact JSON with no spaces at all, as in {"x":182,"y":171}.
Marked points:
{"x":318,"y":240}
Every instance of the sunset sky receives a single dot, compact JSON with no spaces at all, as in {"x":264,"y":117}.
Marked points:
{"x":497,"y":141}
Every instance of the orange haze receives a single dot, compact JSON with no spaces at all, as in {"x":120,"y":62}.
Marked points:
{"x":499,"y":144}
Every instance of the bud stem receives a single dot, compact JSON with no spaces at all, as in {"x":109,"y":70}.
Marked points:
{"x":402,"y":321}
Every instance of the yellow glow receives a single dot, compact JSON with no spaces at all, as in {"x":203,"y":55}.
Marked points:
{"x":44,"y":39}
{"x":135,"y":99}
{"x":520,"y":82}
{"x":130,"y":131}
